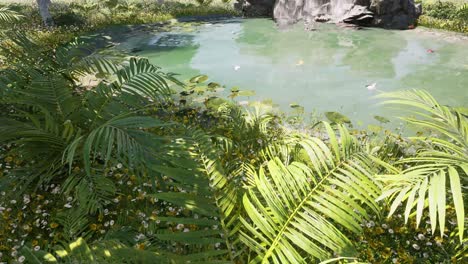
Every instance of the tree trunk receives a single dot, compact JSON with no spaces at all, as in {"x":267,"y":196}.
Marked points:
{"x":44,"y":11}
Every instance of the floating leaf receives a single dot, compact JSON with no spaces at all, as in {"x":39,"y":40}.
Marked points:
{"x":235,"y":89}
{"x":213,"y":85}
{"x":186,"y":93}
{"x":199,"y":79}
{"x":381,"y":119}
{"x":338,"y":118}
{"x":246,"y":93}
{"x":294,"y":105}
{"x":200,"y":90}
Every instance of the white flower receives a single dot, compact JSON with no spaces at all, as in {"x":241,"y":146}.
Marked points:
{"x":186,"y":230}
{"x":119,"y":166}
{"x":13,"y":201}
{"x":68,"y":205}
{"x":384,"y":226}
{"x":180,"y":226}
{"x":218,"y":244}
{"x":395,"y":260}
{"x":21,"y":259}
{"x":112,"y":222}
{"x":421,"y":236}
{"x":390,"y":231}
{"x":37,"y":248}
{"x":416,"y":246}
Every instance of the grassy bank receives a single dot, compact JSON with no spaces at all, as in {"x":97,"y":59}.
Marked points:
{"x":73,"y":18}
{"x":448,"y":15}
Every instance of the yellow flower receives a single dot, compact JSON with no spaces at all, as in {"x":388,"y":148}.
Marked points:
{"x":35,"y":243}
{"x":379,"y":231}
{"x":140,"y":246}
{"x":53,"y":225}
{"x":9,"y":159}
{"x":93,"y":227}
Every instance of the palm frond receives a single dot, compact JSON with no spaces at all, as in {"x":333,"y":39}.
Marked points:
{"x":438,"y":170}
{"x":9,"y":16}
{"x":293,"y":211}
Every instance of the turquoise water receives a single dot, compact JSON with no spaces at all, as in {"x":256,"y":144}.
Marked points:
{"x":323,"y":70}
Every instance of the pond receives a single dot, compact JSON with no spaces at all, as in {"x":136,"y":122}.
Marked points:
{"x":329,"y":69}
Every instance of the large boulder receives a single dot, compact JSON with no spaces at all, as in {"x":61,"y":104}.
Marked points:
{"x":392,"y":14}
{"x":397,"y":14}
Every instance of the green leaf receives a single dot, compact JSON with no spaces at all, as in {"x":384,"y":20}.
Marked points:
{"x":199,"y":79}
{"x":457,"y":194}
{"x":337,"y":118}
{"x":381,"y":119}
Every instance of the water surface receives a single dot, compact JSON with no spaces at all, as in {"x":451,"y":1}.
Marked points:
{"x":323,"y":70}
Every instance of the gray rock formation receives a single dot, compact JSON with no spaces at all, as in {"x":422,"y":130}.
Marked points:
{"x":394,"y":14}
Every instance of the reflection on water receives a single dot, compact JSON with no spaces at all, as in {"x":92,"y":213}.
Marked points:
{"x":325,"y":70}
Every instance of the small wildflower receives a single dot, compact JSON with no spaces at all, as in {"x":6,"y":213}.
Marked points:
{"x":37,"y":248}
{"x":416,"y":246}
{"x":421,"y":237}
{"x":391,"y":231}
{"x":21,"y":259}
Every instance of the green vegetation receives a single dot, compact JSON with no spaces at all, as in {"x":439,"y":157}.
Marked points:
{"x":106,"y":161}
{"x":448,"y":15}
{"x":72,"y":18}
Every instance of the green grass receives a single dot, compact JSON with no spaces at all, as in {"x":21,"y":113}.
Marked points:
{"x":74,"y":18}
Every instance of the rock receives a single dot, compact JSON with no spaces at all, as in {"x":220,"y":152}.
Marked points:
{"x":392,"y":14}
{"x":395,"y":14}
{"x":358,"y":15}
{"x":255,"y":8}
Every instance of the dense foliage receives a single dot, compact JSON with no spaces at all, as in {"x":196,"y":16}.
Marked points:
{"x":445,"y":15}
{"x":104,"y":161}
